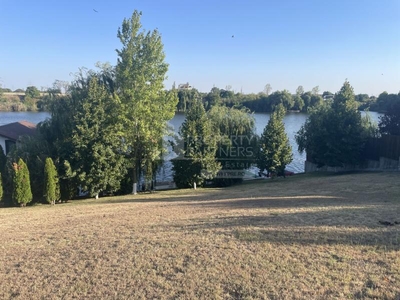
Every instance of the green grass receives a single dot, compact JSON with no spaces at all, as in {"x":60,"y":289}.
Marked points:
{"x":305,"y":237}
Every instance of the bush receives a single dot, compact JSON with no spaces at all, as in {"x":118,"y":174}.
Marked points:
{"x":32,"y":92}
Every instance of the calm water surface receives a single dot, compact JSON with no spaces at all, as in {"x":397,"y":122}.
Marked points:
{"x":33,"y":117}
{"x":293,"y":122}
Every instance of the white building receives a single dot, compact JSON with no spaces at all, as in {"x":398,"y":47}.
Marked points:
{"x":184,"y":86}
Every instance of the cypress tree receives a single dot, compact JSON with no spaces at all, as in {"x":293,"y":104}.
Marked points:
{"x":275,"y":150}
{"x":22,"y":193}
{"x":50,"y":181}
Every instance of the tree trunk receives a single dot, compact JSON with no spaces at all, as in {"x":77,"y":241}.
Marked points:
{"x":194,"y":185}
{"x":134,"y":186}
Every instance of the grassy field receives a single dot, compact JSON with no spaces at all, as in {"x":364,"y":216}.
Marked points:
{"x":304,"y":237}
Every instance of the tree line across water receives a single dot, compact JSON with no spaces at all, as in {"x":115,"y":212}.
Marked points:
{"x":266,"y":101}
{"x":303,"y":101}
{"x":106,"y":134}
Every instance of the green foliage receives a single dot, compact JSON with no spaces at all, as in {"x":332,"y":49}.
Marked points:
{"x":334,"y":133}
{"x":21,"y":184}
{"x":33,"y":150}
{"x":50,"y":181}
{"x":57,"y":131}
{"x":86,"y":134}
{"x":299,"y":90}
{"x":275,"y":150}
{"x":32,"y":92}
{"x":213,"y":98}
{"x":67,"y":184}
{"x":196,"y":161}
{"x":112,"y":115}
{"x":281,"y":97}
{"x":96,"y":139}
{"x":49,"y":98}
{"x":298,"y":103}
{"x":385,"y":102}
{"x":186,"y":98}
{"x":236,"y":143}
{"x":145,"y":106}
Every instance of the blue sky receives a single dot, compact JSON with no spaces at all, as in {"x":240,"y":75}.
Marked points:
{"x":283,"y":43}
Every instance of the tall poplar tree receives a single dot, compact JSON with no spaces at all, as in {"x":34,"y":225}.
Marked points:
{"x":275,"y":150}
{"x":140,"y":72}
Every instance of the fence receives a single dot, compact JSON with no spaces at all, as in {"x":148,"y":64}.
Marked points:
{"x":379,"y":154}
{"x":387,"y":146}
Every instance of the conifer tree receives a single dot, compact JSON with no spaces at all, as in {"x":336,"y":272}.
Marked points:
{"x":275,"y":150}
{"x":96,"y":139}
{"x":21,"y":193}
{"x":334,"y":134}
{"x":50,"y":181}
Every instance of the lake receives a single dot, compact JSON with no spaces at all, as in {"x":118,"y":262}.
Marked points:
{"x":33,"y":117}
{"x":292,"y":120}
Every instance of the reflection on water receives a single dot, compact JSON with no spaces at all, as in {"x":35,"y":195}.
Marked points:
{"x":293,"y":122}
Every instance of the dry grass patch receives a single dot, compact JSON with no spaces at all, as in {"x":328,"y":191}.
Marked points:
{"x":305,"y":237}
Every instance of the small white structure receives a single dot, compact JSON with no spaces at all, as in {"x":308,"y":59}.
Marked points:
{"x":10,"y":133}
{"x":184,"y":86}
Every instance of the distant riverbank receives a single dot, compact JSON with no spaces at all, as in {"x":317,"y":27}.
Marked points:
{"x":17,"y":102}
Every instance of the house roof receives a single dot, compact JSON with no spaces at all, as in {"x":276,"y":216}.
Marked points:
{"x":14,"y":130}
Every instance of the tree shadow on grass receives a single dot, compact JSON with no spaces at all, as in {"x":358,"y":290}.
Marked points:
{"x":288,"y":202}
{"x":353,"y":226}
{"x":389,"y":239}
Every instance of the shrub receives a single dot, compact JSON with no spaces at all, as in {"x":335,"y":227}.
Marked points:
{"x":21,"y":193}
{"x":50,"y":181}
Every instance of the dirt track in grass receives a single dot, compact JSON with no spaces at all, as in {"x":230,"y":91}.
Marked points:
{"x":304,"y":237}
